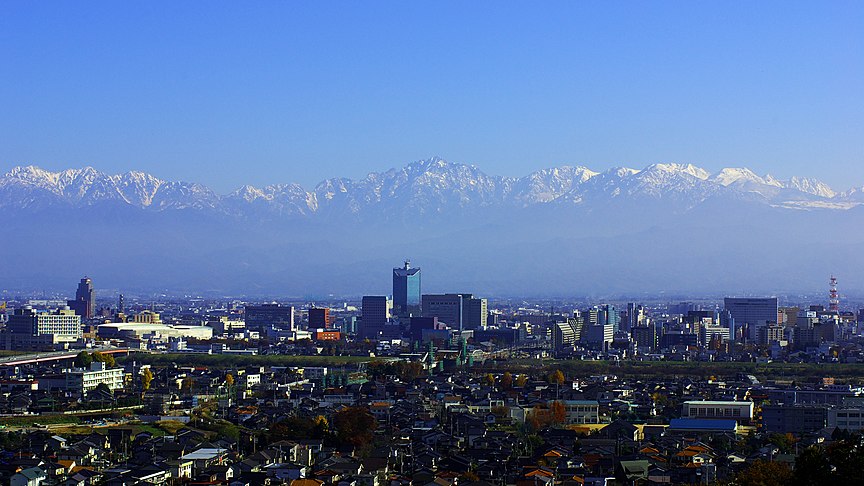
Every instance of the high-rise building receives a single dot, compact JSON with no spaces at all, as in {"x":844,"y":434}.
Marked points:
{"x":566,"y":333}
{"x":269,"y":317}
{"x":63,"y":324}
{"x":750,"y":314}
{"x":448,"y":308}
{"x":602,"y":315}
{"x":646,"y":337}
{"x":613,"y":318}
{"x":635,"y":315}
{"x":598,"y":337}
{"x":84,"y":303}
{"x":419,"y":324}
{"x":319,"y":318}
{"x":475,"y":313}
{"x":406,"y":290}
{"x":376,"y":310}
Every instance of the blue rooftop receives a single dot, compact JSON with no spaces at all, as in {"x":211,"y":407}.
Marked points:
{"x":702,"y":424}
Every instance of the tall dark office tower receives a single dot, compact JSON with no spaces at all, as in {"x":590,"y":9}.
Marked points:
{"x":448,"y":308}
{"x":613,"y":318}
{"x":267,"y":317}
{"x":319,"y":318}
{"x":406,"y":290}
{"x":85,"y":299}
{"x":475,"y":312}
{"x":376,"y":313}
{"x":751,"y":311}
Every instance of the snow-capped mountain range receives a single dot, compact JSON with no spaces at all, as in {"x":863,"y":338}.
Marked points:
{"x":558,"y":231}
{"x":427,"y":187}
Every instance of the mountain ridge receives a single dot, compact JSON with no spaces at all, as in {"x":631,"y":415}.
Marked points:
{"x":428,"y":186}
{"x":569,"y":229}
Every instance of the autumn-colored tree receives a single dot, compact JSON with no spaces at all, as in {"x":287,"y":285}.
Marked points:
{"x":539,"y":418}
{"x":469,"y":477}
{"x":146,"y":378}
{"x":521,"y":380}
{"x":108,"y":359}
{"x":410,"y":371}
{"x":229,"y":380}
{"x":500,"y":411}
{"x":556,"y":377}
{"x":506,"y":381}
{"x":489,"y":379}
{"x":557,"y":412}
{"x":187,"y":384}
{"x":354,"y":426}
{"x":765,"y":473}
{"x":320,"y":427}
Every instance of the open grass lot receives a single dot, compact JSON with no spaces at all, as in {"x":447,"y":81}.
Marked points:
{"x":227,"y":360}
{"x":28,"y":421}
{"x":167,"y":427}
{"x":806,"y":372}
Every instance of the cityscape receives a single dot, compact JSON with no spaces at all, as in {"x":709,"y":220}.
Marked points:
{"x":378,"y":243}
{"x":438,"y":388}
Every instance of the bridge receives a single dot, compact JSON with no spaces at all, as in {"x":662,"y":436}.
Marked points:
{"x":25,"y":359}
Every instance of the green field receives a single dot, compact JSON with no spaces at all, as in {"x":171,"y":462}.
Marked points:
{"x":805,"y":372}
{"x":229,"y":360}
{"x":39,"y":419}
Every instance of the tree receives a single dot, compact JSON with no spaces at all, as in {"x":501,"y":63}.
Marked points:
{"x":104,"y":358}
{"x":409,"y":371}
{"x":538,"y":419}
{"x":146,"y":378}
{"x":489,"y":379}
{"x":506,"y":381}
{"x":321,"y":427}
{"x":556,"y":377}
{"x":83,"y":360}
{"x":764,"y":473}
{"x":229,"y":380}
{"x":187,"y":384}
{"x":355,"y":426}
{"x":785,"y":442}
{"x":103,"y":388}
{"x":295,"y":428}
{"x":521,"y":380}
{"x":812,"y":467}
{"x":557,"y":412}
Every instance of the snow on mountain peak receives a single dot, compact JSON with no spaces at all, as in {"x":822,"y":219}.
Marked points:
{"x":732,"y":175}
{"x":688,"y":169}
{"x":423,"y":187}
{"x":811,"y":186}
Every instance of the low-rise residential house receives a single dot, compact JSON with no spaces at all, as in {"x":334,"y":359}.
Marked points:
{"x":32,"y":476}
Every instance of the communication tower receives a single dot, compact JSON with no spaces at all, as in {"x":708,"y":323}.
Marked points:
{"x":834,"y":299}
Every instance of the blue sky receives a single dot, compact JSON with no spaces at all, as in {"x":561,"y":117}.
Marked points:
{"x":258,"y":92}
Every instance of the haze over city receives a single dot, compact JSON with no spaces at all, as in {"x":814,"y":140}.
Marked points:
{"x":381,"y":243}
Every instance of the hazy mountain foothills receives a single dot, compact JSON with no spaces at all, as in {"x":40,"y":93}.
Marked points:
{"x":560,"y":231}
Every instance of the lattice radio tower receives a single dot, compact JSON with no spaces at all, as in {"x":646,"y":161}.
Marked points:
{"x":834,"y":300}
